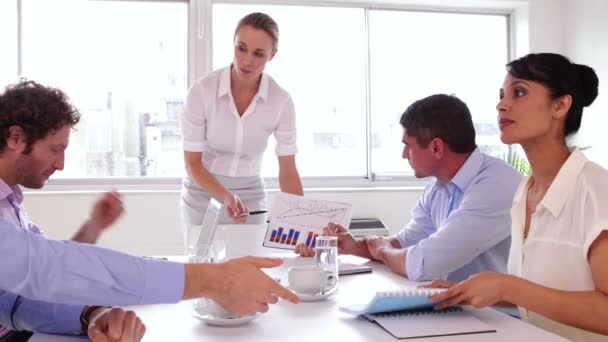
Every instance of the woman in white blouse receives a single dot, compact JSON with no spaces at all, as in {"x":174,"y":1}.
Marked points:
{"x":228,"y":118}
{"x":559,"y":251}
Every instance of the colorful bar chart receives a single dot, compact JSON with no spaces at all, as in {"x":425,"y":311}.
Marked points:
{"x":290,"y":237}
{"x":295,"y":238}
{"x":311,"y":239}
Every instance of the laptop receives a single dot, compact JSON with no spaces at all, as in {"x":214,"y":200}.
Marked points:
{"x":209,"y":227}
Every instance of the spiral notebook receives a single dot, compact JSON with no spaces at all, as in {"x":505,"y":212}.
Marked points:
{"x":387,"y":301}
{"x":409,"y":314}
{"x":421,"y":323}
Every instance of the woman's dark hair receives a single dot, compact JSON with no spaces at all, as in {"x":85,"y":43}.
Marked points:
{"x":37,"y":109}
{"x":561,"y":77}
{"x":261,"y":21}
{"x":440,"y":116}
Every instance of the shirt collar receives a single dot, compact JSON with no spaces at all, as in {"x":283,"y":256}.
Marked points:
{"x":564,"y":183}
{"x":521,"y":190}
{"x":224,"y":84}
{"x":7,"y":190}
{"x":468,"y":170}
{"x":560,"y":188}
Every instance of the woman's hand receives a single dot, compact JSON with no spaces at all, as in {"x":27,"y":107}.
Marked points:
{"x":235,"y":208}
{"x":480,"y":290}
{"x":303,"y":250}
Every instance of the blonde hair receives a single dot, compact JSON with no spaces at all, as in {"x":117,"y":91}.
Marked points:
{"x":261,"y":21}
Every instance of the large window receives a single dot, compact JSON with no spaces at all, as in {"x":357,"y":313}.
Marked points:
{"x":8,"y":41}
{"x":322,"y":66}
{"x":411,"y":55}
{"x":124,"y":65}
{"x":430,"y":53}
{"x":351,"y":71}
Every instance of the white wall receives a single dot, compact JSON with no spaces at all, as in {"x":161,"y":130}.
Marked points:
{"x":586,"y":37}
{"x":579,"y":30}
{"x":151,"y":225}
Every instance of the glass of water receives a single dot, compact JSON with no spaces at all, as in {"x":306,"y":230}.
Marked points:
{"x":219,"y":244}
{"x":201,"y":254}
{"x":326,"y":255}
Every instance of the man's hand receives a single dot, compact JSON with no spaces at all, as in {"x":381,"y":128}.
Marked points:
{"x":239,"y":285}
{"x":332,"y":229}
{"x":376,"y":246}
{"x":105,"y":212}
{"x":346,"y":242}
{"x":116,"y":324}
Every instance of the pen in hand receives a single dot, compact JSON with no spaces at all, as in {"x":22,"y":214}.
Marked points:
{"x":257,"y":212}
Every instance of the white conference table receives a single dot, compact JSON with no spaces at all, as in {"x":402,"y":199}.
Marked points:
{"x":312,"y":321}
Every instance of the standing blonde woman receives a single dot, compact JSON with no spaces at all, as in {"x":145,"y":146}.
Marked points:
{"x":559,"y":252}
{"x":228,"y":118}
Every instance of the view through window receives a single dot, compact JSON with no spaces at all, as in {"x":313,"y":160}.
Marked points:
{"x":124,"y":64}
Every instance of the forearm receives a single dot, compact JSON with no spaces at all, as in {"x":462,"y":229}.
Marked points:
{"x":586,"y":310}
{"x":73,"y":273}
{"x":199,"y":280}
{"x":87,"y":233}
{"x":290,"y":182}
{"x":45,"y":317}
{"x":205,"y":179}
{"x":289,"y":178}
{"x":360,"y":249}
{"x":394,"y":258}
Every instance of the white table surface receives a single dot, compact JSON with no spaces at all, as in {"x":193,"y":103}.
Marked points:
{"x":316,"y":321}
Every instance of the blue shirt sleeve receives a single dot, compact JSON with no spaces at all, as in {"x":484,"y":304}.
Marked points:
{"x":74,"y":273}
{"x":20,"y":313}
{"x":421,"y":225}
{"x":480,"y":222}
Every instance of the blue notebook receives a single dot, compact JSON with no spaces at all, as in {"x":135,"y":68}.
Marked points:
{"x":389,"y":301}
{"x":408,"y":314}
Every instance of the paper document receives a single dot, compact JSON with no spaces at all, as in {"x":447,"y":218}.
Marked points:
{"x":297,"y":219}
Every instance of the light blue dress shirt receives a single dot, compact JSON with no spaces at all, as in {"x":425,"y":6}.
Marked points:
{"x":463,"y":227}
{"x":76,"y":274}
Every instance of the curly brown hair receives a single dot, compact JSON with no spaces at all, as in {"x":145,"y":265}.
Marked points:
{"x":37,"y":109}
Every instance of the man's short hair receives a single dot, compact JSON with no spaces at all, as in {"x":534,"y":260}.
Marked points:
{"x":440,"y":116}
{"x":37,"y":109}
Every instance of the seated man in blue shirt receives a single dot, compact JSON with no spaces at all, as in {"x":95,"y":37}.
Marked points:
{"x":75,"y":273}
{"x":35,"y":124}
{"x":461,"y":224}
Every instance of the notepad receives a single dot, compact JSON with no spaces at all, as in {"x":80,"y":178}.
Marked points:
{"x":422,"y":323}
{"x":409,"y":314}
{"x":387,"y":301}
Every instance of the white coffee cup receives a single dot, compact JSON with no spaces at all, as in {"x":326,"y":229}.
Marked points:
{"x":212,"y":308}
{"x":217,"y":310}
{"x":308,"y":279}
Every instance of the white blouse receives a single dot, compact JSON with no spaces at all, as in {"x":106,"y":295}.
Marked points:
{"x":233,"y":145}
{"x":571,"y":215}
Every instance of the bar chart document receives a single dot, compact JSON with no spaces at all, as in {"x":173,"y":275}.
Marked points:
{"x":297,"y":219}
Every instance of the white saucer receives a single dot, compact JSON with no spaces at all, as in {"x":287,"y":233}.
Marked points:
{"x":307,"y":297}
{"x":225,"y":322}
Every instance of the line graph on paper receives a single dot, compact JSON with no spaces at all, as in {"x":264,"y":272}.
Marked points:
{"x":334,"y":215}
{"x":296,"y":219}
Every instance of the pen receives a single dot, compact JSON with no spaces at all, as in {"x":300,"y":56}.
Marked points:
{"x":253,"y":213}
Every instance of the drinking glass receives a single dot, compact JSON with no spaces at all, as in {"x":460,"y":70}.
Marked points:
{"x":326,"y":255}
{"x":192,"y":239}
{"x":201,"y":254}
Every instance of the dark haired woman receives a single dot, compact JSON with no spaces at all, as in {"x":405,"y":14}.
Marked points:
{"x":557,"y":263}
